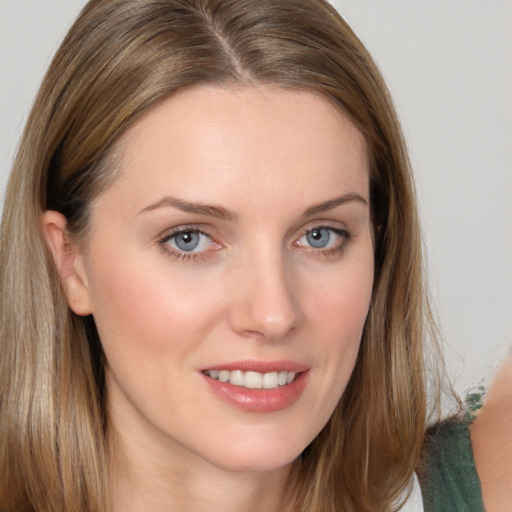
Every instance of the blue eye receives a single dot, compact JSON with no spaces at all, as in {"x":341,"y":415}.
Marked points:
{"x":189,"y":241}
{"x":186,"y":241}
{"x":324,"y":238}
{"x":318,"y":238}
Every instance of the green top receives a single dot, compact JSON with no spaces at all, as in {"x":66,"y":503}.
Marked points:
{"x":448,"y":478}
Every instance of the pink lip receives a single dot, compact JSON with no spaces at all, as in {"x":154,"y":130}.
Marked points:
{"x":260,"y":400}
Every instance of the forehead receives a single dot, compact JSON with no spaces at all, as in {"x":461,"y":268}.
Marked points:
{"x":216,"y":140}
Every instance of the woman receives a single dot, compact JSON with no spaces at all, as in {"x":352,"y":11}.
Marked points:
{"x":205,"y":241}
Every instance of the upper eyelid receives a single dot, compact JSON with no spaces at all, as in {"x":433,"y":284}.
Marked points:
{"x":169,"y":232}
{"x":178,"y":231}
{"x":326,"y":225}
{"x":327,"y":222}
{"x":343,"y":232}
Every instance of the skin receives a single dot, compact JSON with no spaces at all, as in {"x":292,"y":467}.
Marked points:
{"x":492,"y":442}
{"x":255,"y":289}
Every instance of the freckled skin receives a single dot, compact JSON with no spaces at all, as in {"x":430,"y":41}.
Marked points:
{"x":255,"y":292}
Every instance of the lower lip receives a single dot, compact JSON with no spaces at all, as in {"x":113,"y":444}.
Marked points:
{"x":259,"y":400}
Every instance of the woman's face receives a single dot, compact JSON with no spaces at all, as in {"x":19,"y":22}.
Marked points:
{"x":229,"y":272}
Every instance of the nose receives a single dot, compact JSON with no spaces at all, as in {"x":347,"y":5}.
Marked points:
{"x":265,"y":298}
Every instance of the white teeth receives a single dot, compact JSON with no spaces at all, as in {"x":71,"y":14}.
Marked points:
{"x":253,"y":380}
{"x":236,"y":377}
{"x":270,"y":380}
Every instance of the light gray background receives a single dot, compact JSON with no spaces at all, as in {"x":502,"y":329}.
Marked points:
{"x":449,"y":66}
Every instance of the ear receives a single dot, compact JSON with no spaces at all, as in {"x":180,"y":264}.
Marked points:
{"x":68,"y":261}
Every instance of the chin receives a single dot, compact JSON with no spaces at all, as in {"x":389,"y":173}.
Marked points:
{"x":258,"y":454}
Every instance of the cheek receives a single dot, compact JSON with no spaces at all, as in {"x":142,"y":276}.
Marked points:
{"x":341,"y":304}
{"x":338,"y":312}
{"x":139,"y":307}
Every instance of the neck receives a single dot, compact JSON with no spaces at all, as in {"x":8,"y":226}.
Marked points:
{"x":143,"y":478}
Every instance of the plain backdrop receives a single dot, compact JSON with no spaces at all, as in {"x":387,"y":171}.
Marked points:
{"x":449,"y":67}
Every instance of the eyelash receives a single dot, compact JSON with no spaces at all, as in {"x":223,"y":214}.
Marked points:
{"x":182,"y":255}
{"x":344,"y":234}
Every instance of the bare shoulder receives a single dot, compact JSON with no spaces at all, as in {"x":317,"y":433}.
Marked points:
{"x":491,"y":436}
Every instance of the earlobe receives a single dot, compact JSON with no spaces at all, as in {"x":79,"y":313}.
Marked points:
{"x":68,"y":262}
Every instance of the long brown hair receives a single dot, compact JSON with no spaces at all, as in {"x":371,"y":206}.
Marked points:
{"x":120,"y":59}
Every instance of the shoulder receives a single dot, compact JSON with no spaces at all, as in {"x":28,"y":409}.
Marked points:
{"x":447,"y":475}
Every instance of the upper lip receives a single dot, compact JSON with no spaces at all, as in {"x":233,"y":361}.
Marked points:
{"x":252,"y":365}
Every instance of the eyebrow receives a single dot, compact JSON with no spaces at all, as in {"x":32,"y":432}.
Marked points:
{"x":222,"y":213}
{"x":333,"y":203}
{"x":190,"y":207}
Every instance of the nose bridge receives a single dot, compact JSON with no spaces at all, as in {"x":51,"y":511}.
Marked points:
{"x":264,"y":302}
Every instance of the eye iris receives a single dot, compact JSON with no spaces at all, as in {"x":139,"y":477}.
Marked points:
{"x":318,"y":238}
{"x":187,"y":241}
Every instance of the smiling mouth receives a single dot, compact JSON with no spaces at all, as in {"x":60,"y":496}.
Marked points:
{"x":253,"y":380}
